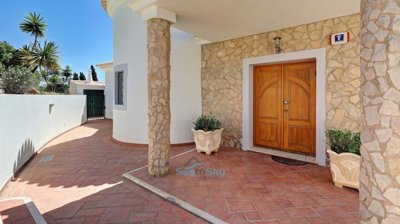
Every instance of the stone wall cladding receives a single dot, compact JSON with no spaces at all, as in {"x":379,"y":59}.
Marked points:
{"x":159,"y":82}
{"x":222,"y":72}
{"x":380,"y":93}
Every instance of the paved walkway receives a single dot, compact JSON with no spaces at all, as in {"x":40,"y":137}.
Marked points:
{"x":15,"y":211}
{"x":83,"y":183}
{"x":247,"y":187}
{"x":77,"y":178}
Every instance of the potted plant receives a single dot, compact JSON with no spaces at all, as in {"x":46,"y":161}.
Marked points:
{"x":207,"y":134}
{"x":345,"y":159}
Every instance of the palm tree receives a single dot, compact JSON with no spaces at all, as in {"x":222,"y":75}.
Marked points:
{"x":34,"y":25}
{"x":25,"y":52}
{"x":45,"y":58}
{"x":66,"y":73}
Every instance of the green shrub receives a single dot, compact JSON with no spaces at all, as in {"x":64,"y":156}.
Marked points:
{"x":57,"y":88}
{"x":344,"y":141}
{"x":17,"y":80}
{"x":207,"y":123}
{"x":82,"y":76}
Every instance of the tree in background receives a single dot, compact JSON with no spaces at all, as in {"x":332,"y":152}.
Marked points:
{"x":34,"y":25}
{"x":54,"y":83}
{"x":66,"y":74}
{"x":94,"y":73}
{"x":43,"y":58}
{"x":76,"y":76}
{"x":17,"y":80}
{"x":81,"y":76}
{"x":9,"y":56}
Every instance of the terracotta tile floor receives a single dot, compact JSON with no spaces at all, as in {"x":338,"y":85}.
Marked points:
{"x":257,"y":189}
{"x":15,"y":211}
{"x":83,"y":182}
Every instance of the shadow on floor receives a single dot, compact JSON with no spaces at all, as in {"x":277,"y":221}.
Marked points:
{"x":25,"y":153}
{"x":82,"y":182}
{"x":85,"y":156}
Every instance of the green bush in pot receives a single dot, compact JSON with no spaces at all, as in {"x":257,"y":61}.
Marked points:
{"x":207,"y":123}
{"x":207,"y":134}
{"x":341,"y":141}
{"x":344,"y":157}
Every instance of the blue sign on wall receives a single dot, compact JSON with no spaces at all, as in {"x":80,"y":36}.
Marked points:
{"x":339,"y":37}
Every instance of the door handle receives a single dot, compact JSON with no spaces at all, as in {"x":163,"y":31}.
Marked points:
{"x":286,"y":102}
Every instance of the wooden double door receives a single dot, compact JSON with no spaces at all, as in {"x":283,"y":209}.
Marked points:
{"x":284,"y":106}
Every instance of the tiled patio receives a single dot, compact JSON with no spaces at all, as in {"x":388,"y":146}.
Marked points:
{"x":257,"y":189}
{"x":15,"y":211}
{"x":83,"y":183}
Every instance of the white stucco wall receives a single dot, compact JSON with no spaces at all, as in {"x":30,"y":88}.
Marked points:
{"x":109,"y":92}
{"x":185,"y":85}
{"x":28,"y":122}
{"x":130,"y":49}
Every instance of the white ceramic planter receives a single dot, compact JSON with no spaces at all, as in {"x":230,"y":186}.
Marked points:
{"x":207,"y":142}
{"x":345,"y":169}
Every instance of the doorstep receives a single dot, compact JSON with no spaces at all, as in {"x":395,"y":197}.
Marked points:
{"x":289,"y":155}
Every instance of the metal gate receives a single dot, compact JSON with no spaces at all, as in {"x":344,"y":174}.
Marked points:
{"x":95,"y":103}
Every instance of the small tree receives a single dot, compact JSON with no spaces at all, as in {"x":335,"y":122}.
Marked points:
{"x":9,"y":56}
{"x":94,"y":73}
{"x":76,"y":76}
{"x":53,"y":83}
{"x":43,"y":58}
{"x":81,"y":76}
{"x":17,"y":80}
{"x":66,"y":74}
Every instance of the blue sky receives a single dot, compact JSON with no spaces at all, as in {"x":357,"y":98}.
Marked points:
{"x":81,"y":29}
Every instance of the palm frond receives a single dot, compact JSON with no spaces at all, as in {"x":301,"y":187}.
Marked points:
{"x":44,"y":57}
{"x":34,"y":24}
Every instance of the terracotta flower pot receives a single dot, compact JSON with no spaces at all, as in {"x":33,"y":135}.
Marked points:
{"x":207,"y":142}
{"x":345,"y":169}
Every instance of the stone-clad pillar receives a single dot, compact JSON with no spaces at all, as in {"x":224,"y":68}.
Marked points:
{"x":158,"y":48}
{"x":380,"y":95}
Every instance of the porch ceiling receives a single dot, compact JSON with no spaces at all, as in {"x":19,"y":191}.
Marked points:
{"x":226,"y":19}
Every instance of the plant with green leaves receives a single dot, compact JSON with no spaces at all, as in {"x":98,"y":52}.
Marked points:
{"x":9,"y":56}
{"x":207,"y":123}
{"x":94,"y":73}
{"x":341,"y":141}
{"x":43,"y":58}
{"x":66,"y":74}
{"x":82,"y":76}
{"x":75,"y":76}
{"x":34,"y":25}
{"x":17,"y":80}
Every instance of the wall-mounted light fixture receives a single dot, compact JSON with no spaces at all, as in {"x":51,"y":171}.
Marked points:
{"x":278,"y":48}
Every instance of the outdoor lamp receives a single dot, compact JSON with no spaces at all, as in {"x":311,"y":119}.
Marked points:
{"x":278,"y":48}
